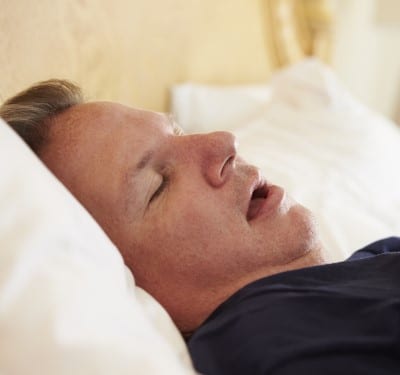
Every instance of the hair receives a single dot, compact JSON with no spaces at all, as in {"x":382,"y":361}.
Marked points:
{"x":30,"y":112}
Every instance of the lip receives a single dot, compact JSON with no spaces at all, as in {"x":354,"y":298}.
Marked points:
{"x":270,"y":204}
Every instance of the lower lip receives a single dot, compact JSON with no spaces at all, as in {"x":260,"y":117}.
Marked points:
{"x":273,"y":201}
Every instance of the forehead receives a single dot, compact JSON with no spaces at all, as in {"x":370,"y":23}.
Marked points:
{"x":91,"y":144}
{"x":91,"y":127}
{"x":107,"y":117}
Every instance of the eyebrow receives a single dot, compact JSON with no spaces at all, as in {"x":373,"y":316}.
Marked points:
{"x":143,"y":161}
{"x":148,"y":155}
{"x":135,"y":169}
{"x":131,"y":174}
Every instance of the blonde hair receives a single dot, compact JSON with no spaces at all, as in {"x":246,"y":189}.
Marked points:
{"x":30,"y":112}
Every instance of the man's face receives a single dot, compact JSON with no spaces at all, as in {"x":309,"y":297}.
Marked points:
{"x":182,"y":209}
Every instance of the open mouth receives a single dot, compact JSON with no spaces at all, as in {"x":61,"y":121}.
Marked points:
{"x":257,"y":199}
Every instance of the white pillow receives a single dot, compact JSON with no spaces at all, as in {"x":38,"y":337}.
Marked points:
{"x":68,"y":305}
{"x":330,"y":152}
{"x":333,"y":154}
{"x":203,"y":108}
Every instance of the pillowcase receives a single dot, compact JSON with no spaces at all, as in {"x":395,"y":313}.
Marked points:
{"x":68,"y":305}
{"x":203,"y":108}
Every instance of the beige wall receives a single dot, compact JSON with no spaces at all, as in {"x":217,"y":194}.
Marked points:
{"x":367,"y":53}
{"x":132,"y":50}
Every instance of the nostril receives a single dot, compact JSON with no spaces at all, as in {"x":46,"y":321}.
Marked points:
{"x":228,"y":163}
{"x":217,"y":153}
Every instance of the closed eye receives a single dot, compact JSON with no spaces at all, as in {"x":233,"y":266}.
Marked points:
{"x":160,"y":189}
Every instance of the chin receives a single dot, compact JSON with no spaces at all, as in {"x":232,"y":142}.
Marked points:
{"x":307,"y":232}
{"x":301,"y":236}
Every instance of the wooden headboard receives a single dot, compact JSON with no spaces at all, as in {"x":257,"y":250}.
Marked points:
{"x":132,"y":51}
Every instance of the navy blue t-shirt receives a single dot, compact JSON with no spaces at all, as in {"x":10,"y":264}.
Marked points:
{"x":340,"y":318}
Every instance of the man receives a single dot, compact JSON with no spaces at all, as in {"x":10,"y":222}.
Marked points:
{"x":212,"y":240}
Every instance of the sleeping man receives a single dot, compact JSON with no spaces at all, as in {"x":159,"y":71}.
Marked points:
{"x":234,"y":260}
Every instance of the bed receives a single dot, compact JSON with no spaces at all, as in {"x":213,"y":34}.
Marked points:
{"x":258,"y":68}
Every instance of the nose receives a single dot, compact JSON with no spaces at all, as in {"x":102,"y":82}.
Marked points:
{"x":216,"y":154}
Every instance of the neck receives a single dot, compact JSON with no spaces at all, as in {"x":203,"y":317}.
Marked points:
{"x":189,"y":314}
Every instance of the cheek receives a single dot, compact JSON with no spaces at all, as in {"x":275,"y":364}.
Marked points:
{"x":191,"y":237}
{"x":188,"y":226}
{"x":193,"y":231}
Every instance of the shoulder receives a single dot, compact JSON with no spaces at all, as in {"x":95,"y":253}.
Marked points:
{"x":383,"y":246}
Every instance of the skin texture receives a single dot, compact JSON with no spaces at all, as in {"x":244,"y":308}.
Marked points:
{"x":176,"y":206}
